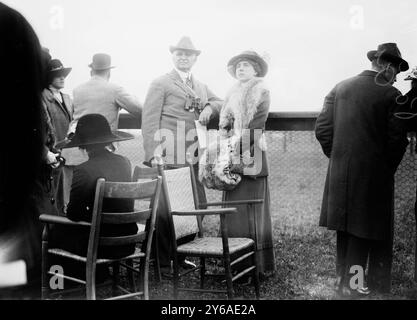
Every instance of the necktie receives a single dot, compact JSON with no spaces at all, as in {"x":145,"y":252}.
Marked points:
{"x":189,"y":83}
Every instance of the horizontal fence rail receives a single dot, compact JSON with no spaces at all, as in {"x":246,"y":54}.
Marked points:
{"x":277,"y":121}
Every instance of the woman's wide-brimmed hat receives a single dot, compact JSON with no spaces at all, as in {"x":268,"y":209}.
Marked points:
{"x":260,"y":64}
{"x":93,"y":129}
{"x":390,"y":53}
{"x":57,"y":69}
{"x":185,"y":44}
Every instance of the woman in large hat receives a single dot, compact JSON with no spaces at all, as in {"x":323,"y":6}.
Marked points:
{"x":93,"y":135}
{"x":58,"y":113}
{"x":242,"y":171}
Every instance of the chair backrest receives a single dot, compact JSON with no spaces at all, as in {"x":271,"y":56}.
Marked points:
{"x":180,"y":196}
{"x":124,"y":190}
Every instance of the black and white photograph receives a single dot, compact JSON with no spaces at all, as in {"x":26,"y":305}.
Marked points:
{"x":216,"y":151}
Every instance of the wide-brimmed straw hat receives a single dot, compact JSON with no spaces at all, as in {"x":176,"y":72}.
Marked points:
{"x":260,"y":64}
{"x":93,"y":129}
{"x":390,"y":53}
{"x":57,"y":69}
{"x":185,"y":44}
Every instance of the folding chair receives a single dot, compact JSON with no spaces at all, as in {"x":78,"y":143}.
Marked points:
{"x":106,"y":190}
{"x":179,"y":187}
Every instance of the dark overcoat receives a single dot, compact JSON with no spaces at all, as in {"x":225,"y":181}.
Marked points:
{"x":111,"y":167}
{"x":365,"y":143}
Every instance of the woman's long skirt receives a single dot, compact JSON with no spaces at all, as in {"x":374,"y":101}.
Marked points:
{"x":238,"y":224}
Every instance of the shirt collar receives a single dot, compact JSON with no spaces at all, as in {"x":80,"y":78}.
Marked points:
{"x":56,"y":93}
{"x":184,"y":75}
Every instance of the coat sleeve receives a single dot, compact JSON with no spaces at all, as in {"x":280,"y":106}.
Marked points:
{"x":215,"y":102}
{"x":151,"y":118}
{"x":397,"y":133}
{"x":408,"y":104}
{"x":128,"y":102}
{"x":324,"y":124}
{"x":81,"y":199}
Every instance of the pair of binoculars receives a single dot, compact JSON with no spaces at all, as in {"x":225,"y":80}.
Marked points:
{"x":192,"y":103}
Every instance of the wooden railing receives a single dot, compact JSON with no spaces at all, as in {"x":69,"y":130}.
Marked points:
{"x":277,"y":121}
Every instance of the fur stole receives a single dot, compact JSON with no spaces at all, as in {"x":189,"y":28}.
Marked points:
{"x":241,"y":104}
{"x":222,"y":164}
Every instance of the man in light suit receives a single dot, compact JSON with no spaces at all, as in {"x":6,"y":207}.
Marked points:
{"x":99,"y":96}
{"x":173,"y":103}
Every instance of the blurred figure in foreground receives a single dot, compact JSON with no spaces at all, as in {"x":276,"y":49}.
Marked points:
{"x":23,"y":151}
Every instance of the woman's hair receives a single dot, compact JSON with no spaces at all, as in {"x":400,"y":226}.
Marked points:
{"x":255,"y":65}
{"x":21,"y":84}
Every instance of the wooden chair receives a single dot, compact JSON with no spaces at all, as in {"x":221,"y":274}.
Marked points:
{"x":146,"y":173}
{"x":179,"y":186}
{"x":105,"y":190}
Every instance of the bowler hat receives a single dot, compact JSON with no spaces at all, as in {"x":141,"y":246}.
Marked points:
{"x":101,"y":61}
{"x":260,"y":66}
{"x":185,"y":44}
{"x":56,"y":69}
{"x":390,"y":53}
{"x":93,"y":129}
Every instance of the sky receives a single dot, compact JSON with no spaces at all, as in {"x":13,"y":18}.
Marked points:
{"x":310,"y":45}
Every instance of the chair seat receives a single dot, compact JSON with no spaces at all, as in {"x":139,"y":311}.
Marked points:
{"x":213,"y":246}
{"x":66,"y":254}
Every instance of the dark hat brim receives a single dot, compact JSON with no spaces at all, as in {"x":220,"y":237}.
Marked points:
{"x":403,"y":65}
{"x":75,"y":142}
{"x":61,"y":72}
{"x":257,"y":59}
{"x":172,"y":49}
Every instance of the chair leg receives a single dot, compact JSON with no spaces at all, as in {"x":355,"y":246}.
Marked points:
{"x":176,"y":277}
{"x":115,"y":276}
{"x":44,"y":276}
{"x":256,"y":274}
{"x":228,"y":273}
{"x":156,"y":263}
{"x":202,"y":271}
{"x":131,"y":276}
{"x":90,"y":281}
{"x":144,"y":277}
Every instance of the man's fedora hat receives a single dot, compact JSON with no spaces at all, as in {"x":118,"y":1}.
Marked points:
{"x":101,"y":61}
{"x":93,"y":129}
{"x":56,"y":69}
{"x":260,"y":65}
{"x":390,"y":53}
{"x":185,"y":44}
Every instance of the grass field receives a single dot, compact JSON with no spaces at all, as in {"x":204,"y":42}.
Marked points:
{"x":305,"y":253}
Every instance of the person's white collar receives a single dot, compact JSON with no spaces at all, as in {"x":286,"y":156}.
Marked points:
{"x":184,"y":75}
{"x":56,"y":92}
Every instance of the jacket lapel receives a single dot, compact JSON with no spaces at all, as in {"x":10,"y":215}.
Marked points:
{"x":179,"y":83}
{"x":63,"y":106}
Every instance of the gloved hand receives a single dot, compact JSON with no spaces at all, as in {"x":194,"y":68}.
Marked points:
{"x":51,"y":159}
{"x":205,"y":115}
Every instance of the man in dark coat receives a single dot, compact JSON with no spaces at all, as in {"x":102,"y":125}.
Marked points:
{"x":365,"y":143}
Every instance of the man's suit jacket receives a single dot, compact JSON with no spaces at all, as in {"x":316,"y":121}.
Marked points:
{"x":112,"y":167}
{"x":164,"y":108}
{"x":105,"y":98}
{"x":365,"y":142}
